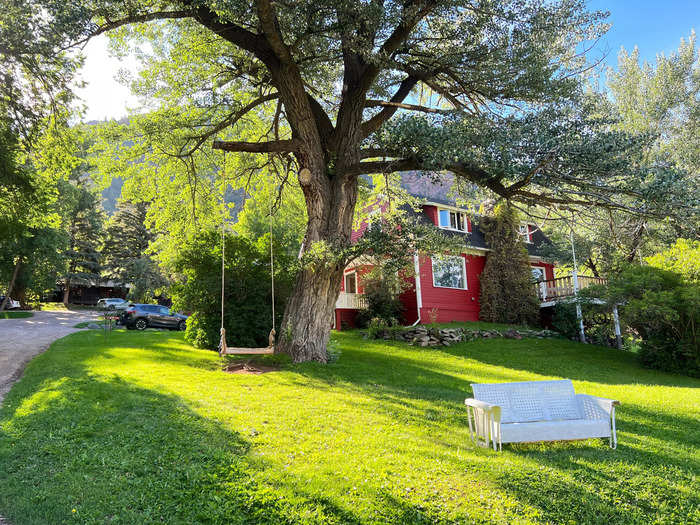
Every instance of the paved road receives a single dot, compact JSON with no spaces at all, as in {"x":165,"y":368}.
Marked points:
{"x":22,"y":339}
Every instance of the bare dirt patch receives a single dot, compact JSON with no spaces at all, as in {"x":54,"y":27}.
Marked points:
{"x":247,"y":368}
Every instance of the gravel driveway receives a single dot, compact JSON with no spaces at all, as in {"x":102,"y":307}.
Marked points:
{"x":22,"y":339}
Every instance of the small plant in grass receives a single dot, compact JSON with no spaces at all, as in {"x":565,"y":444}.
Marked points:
{"x":379,"y":328}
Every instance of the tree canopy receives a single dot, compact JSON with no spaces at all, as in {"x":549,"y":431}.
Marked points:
{"x":487,"y":89}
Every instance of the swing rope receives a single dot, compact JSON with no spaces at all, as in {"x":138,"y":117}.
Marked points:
{"x":224,"y":349}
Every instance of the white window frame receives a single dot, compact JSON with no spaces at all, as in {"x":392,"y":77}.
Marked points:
{"x":465,"y":220}
{"x":526,"y":234}
{"x":464,"y":272}
{"x":541,"y":267}
{"x":345,"y":281}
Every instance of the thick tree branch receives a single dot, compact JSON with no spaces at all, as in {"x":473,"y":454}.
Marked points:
{"x":270,"y":28}
{"x":384,"y":166}
{"x":369,"y":153}
{"x":411,"y":107}
{"x":414,"y":12}
{"x":276,"y":146}
{"x":247,"y":40}
{"x":375,"y":122}
{"x":230,"y":121}
{"x":323,"y":122}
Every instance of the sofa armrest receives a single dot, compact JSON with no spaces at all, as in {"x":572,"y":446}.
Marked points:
{"x":493,"y":410}
{"x":484,"y":422}
{"x":607,"y":405}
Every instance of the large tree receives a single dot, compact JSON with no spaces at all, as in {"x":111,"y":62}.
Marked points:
{"x":491,"y":77}
{"x":125,"y":251}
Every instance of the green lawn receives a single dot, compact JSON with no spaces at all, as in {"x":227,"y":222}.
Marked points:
{"x":142,"y":428}
{"x":15,"y":315}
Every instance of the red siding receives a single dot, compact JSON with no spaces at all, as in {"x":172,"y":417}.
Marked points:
{"x":409,"y":301}
{"x":451,"y":304}
{"x":356,"y":234}
{"x":431,"y":211}
{"x":345,"y":316}
{"x":548,"y":268}
{"x":360,"y":271}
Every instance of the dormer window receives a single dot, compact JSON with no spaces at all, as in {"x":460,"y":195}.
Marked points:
{"x":525,"y":231}
{"x":452,"y":220}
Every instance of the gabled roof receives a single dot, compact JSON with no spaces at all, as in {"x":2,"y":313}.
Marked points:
{"x":422,"y":185}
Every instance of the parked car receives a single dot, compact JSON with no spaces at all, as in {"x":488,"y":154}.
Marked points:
{"x":11,"y":303}
{"x":142,"y":316}
{"x":113,"y":303}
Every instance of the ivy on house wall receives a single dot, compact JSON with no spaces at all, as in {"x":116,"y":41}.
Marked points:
{"x":507,"y":294}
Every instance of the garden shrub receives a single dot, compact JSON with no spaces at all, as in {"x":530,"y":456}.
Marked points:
{"x":247,"y":293}
{"x":663,"y":309}
{"x":381,"y":291}
{"x":597,"y":321}
{"x":378,"y":328}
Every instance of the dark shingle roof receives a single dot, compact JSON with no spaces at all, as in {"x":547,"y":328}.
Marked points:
{"x":421,"y":185}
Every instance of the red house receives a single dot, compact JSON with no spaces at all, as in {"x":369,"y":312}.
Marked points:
{"x":447,"y":288}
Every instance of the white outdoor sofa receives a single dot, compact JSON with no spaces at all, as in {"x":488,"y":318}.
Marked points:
{"x":537,"y":411}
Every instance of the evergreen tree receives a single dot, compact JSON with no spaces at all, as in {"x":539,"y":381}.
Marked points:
{"x":507,"y":294}
{"x":83,"y":257}
{"x":125,"y":251}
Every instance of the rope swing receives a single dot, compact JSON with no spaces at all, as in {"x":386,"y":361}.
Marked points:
{"x":224,"y":349}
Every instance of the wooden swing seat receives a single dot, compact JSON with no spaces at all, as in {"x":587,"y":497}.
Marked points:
{"x":224,"y":349}
{"x":232,"y":350}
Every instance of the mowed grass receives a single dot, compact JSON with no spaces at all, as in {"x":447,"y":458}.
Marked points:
{"x":142,"y":428}
{"x":15,"y":315}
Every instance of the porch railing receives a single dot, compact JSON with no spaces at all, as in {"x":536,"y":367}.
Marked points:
{"x":351,"y":300}
{"x":562,"y":287}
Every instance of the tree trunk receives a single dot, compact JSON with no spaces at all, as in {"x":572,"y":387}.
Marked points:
{"x":308,"y":316}
{"x":66,"y":292}
{"x":12,"y":284}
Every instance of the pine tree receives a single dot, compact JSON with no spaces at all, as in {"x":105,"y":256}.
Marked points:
{"x":125,"y":250}
{"x":83,"y":258}
{"x":507,"y":294}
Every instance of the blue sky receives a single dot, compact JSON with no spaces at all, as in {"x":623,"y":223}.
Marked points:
{"x":654,"y":26}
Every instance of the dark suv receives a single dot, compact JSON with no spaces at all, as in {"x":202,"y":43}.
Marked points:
{"x":142,"y":316}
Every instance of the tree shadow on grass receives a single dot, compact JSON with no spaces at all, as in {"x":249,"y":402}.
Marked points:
{"x":85,"y":448}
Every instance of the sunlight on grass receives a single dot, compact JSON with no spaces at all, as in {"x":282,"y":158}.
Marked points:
{"x":141,"y":427}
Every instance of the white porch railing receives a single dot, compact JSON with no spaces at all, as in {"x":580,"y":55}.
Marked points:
{"x":561,"y":287}
{"x":351,"y":300}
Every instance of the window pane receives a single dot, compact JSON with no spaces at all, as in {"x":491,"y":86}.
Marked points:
{"x":460,"y":222}
{"x":444,"y":218}
{"x":538,"y":274}
{"x":350,"y":283}
{"x":453,"y":220}
{"x":448,"y":272}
